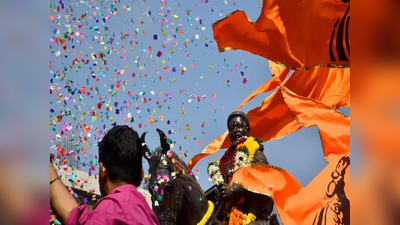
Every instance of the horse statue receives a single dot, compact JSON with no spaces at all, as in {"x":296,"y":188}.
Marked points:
{"x":177,"y":197}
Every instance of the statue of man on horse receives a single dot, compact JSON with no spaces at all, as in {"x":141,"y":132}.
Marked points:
{"x":238,"y":205}
{"x":177,"y":198}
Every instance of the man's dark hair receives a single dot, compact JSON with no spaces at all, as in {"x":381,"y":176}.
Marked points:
{"x":120,"y":151}
{"x":238,"y":113}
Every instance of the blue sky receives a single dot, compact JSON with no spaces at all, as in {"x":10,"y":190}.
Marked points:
{"x":207,"y":74}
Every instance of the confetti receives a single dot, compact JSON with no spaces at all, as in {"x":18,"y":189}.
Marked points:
{"x":109,"y":68}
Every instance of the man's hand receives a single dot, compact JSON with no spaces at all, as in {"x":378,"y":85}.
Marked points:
{"x":223,"y":191}
{"x":53,"y":171}
{"x":60,"y":198}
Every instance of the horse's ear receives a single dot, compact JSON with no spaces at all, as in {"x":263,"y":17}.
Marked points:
{"x":163,"y":141}
{"x":145,"y":149}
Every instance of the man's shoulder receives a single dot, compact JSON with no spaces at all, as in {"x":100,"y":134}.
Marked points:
{"x":127,"y":195}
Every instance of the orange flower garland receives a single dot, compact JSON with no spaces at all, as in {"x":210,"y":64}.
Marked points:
{"x":236,"y":217}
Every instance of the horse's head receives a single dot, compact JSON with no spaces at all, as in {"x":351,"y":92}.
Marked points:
{"x":166,"y":199}
{"x":171,"y":193}
{"x":160,"y":164}
{"x":164,"y":146}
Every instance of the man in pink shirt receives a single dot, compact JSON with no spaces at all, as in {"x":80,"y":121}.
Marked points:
{"x":120,"y":172}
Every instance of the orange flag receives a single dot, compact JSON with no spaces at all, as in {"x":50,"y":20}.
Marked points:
{"x":328,"y":85}
{"x":279,"y":74}
{"x":326,"y":200}
{"x":211,"y":148}
{"x":270,"y":85}
{"x":299,"y":34}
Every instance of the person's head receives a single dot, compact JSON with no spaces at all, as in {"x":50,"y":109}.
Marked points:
{"x":238,"y":126}
{"x":120,"y":159}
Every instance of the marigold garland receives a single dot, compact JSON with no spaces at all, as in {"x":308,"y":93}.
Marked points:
{"x":208,"y":214}
{"x":252,"y":146}
{"x":236,"y":217}
{"x":250,"y":218}
{"x":242,"y":155}
{"x":229,"y":153}
{"x":245,"y":152}
{"x":239,"y":218}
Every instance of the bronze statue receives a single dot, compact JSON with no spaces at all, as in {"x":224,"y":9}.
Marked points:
{"x":259,"y":205}
{"x":177,"y":198}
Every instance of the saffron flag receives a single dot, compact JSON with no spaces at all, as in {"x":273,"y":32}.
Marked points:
{"x":270,"y":85}
{"x":299,"y":34}
{"x":326,"y":199}
{"x":279,"y":74}
{"x":330,"y":86}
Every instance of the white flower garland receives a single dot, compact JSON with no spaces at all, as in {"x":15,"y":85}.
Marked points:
{"x":241,"y":159}
{"x":214,"y":172}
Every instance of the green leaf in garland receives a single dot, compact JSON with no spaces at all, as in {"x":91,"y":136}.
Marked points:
{"x":244,"y":149}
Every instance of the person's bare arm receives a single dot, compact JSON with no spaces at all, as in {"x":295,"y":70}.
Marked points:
{"x":15,"y":200}
{"x":60,"y":199}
